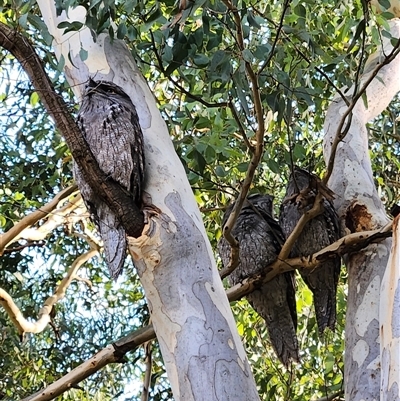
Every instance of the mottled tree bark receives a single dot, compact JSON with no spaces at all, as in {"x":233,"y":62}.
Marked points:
{"x":202,"y":351}
{"x":367,"y":367}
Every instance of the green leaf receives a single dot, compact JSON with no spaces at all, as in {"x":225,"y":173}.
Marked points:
{"x":154,"y":16}
{"x":218,"y":59}
{"x":121,"y":31}
{"x":34,"y":99}
{"x":252,"y":21}
{"x":61,"y":63}
{"x":70,"y":59}
{"x":242,"y":167}
{"x":247,"y":55}
{"x":132,"y":33}
{"x":394,"y":42}
{"x":262,"y":51}
{"x":273,"y":166}
{"x":93,"y":4}
{"x":70,"y":26}
{"x":385,"y":4}
{"x":201,"y":60}
{"x":83,"y":54}
{"x":359,"y":30}
{"x":200,"y":161}
{"x":299,"y":151}
{"x":111,"y":32}
{"x":23,"y":19}
{"x":365,"y":100}
{"x":220,"y":171}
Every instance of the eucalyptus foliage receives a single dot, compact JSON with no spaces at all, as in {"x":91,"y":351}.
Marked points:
{"x":302,"y":52}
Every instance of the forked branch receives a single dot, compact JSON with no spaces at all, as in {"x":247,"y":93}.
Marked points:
{"x":257,"y":149}
{"x":31,"y":219}
{"x":25,"y":326}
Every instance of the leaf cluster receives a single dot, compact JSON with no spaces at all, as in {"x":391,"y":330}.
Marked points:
{"x":196,"y":61}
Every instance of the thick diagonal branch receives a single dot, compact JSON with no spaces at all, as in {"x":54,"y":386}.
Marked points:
{"x":111,"y":354}
{"x":106,"y":188}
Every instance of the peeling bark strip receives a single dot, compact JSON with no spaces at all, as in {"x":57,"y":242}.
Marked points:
{"x":119,"y":200}
{"x":360,"y":207}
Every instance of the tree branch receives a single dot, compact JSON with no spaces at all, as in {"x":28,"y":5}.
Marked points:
{"x":258,"y":148}
{"x":115,"y":352}
{"x":111,"y":354}
{"x":14,"y":233}
{"x":340,"y":135}
{"x":119,"y":200}
{"x":348,"y":244}
{"x":278,"y":32}
{"x":25,"y":326}
{"x":147,"y":374}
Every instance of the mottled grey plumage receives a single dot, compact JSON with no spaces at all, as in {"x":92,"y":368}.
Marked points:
{"x":260,"y":239}
{"x":110,"y":124}
{"x":318,"y":233}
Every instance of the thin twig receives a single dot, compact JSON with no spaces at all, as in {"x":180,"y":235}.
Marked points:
{"x":240,"y":126}
{"x":258,"y":148}
{"x":278,"y":32}
{"x":147,"y":375}
{"x":331,"y":397}
{"x":339,"y":134}
{"x":29,"y":244}
{"x":197,"y":98}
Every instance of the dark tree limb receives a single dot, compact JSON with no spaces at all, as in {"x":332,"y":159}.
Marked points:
{"x":119,"y":200}
{"x":111,"y":354}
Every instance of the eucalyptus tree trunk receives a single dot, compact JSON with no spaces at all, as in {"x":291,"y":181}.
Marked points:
{"x":202,"y":351}
{"x":373,"y":312}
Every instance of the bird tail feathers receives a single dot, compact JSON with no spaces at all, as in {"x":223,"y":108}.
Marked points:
{"x":114,"y":239}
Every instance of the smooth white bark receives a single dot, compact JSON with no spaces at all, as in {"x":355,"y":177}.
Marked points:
{"x":202,"y":351}
{"x":389,"y":315}
{"x":360,"y":208}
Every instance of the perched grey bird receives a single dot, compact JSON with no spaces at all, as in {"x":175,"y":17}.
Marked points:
{"x":260,"y":238}
{"x":318,"y":233}
{"x":110,"y":125}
